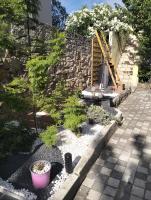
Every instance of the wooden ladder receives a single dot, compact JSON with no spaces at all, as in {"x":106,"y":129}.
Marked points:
{"x":97,"y":60}
{"x":108,"y":59}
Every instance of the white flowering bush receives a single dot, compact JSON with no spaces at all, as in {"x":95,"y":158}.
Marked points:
{"x":102,"y":17}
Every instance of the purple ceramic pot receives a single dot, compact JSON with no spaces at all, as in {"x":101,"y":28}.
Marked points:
{"x":40,"y":179}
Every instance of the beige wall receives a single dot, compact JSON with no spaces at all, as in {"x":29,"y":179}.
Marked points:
{"x":44,"y":14}
{"x":128,"y":64}
{"x":115,"y":49}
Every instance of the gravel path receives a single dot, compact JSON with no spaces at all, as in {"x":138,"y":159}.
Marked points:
{"x":22,"y":178}
{"x":123,"y":170}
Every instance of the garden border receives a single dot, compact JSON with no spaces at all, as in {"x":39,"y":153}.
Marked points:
{"x":71,"y":185}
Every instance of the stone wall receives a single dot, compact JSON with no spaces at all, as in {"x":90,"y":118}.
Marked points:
{"x":75,"y":65}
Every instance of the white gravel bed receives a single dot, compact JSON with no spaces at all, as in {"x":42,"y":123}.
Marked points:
{"x":77,"y":146}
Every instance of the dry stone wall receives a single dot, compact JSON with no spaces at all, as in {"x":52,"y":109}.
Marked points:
{"x":75,"y":65}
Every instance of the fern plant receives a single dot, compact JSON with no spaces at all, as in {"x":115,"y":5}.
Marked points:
{"x":17,"y":86}
{"x":74,"y":113}
{"x":38,"y":66}
{"x":49,"y":136}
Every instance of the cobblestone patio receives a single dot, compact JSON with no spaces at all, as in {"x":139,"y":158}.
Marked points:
{"x":123,"y":170}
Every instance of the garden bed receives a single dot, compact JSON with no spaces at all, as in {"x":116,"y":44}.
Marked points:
{"x":68,"y":142}
{"x":78,"y":145}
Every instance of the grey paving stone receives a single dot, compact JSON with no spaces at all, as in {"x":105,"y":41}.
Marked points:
{"x":98,"y":186}
{"x":143,"y":170}
{"x":96,"y":168}
{"x":141,"y":176}
{"x":93,"y":195}
{"x":148,"y":186}
{"x":117,"y":150}
{"x":112,"y":160}
{"x":148,"y":195}
{"x":106,"y":171}
{"x":113,"y":182}
{"x":139,"y":192}
{"x":124,"y":157}
{"x":147,"y":151}
{"x":110,"y":191}
{"x":116,"y":174}
{"x":88,"y":182}
{"x":132,"y":197}
{"x":124,"y":191}
{"x":105,"y":197}
{"x":109,"y":165}
{"x":83,"y":191}
{"x":149,"y":178}
{"x":78,"y":197}
{"x":119,"y":168}
{"x":99,"y":183}
{"x":128,"y":176}
{"x":139,"y":183}
{"x":122,"y":163}
{"x":99,"y":161}
{"x":113,"y":141}
{"x":91,"y":175}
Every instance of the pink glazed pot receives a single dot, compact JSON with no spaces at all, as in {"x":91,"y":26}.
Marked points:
{"x":42,"y":179}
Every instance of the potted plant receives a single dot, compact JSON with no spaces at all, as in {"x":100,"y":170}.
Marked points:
{"x":40,"y":173}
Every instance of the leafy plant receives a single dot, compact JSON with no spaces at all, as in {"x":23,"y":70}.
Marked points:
{"x":14,"y":102}
{"x":99,"y":115}
{"x":38,"y":66}
{"x":139,"y":16}
{"x":49,"y":136}
{"x":73,"y":121}
{"x":74,"y":113}
{"x":18,"y":86}
{"x":144,"y":74}
{"x":14,"y":136}
{"x":53,"y":103}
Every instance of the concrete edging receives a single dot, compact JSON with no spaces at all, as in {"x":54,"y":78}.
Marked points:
{"x":119,"y":99}
{"x":71,"y":185}
{"x":7,"y":192}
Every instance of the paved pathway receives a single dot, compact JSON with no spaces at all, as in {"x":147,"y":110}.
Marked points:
{"x":123,"y":170}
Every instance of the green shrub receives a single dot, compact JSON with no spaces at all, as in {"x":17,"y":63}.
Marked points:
{"x":53,"y":104}
{"x":15,"y":102}
{"x":73,"y":106}
{"x":99,"y":115}
{"x":14,"y":137}
{"x":38,"y":67}
{"x":144,"y":74}
{"x":72,"y":121}
{"x":74,"y":113}
{"x":18,"y":86}
{"x":49,"y":136}
{"x":15,"y":96}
